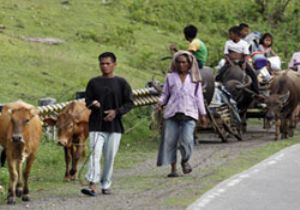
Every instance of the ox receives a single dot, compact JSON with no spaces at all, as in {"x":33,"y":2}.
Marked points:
{"x":283,"y":102}
{"x":240,"y":86}
{"x":20,"y":136}
{"x":72,"y":131}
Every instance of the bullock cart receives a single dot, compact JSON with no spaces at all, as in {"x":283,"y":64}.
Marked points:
{"x":223,"y":116}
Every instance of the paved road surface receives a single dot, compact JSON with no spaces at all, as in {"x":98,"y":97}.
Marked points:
{"x":273,"y":184}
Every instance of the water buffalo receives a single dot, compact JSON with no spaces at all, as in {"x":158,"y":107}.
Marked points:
{"x":20,"y":136}
{"x":208,"y":83}
{"x":283,"y":102}
{"x":239,"y":85}
{"x":72,"y":131}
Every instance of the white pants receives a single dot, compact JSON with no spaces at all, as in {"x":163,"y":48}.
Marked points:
{"x":109,"y":144}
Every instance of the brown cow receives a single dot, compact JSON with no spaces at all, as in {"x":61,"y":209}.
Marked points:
{"x":20,"y":135}
{"x":283,"y":102}
{"x":72,"y":131}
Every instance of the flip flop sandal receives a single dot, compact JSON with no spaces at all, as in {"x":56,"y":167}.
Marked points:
{"x":88,"y":192}
{"x":173,"y":175}
{"x":186,"y":167}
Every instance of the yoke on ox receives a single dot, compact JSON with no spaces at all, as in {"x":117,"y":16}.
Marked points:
{"x":72,"y":131}
{"x":20,"y":135}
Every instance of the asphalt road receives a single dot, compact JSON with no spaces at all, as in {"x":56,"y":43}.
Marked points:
{"x":273,"y":184}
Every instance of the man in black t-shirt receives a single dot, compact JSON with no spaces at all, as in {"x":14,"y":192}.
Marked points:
{"x":109,"y":97}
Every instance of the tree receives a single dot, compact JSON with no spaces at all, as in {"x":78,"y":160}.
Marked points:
{"x":273,"y":11}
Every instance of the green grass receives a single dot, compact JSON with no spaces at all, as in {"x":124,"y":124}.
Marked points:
{"x":138,"y":32}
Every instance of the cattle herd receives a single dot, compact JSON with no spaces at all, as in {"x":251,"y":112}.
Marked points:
{"x":21,"y":130}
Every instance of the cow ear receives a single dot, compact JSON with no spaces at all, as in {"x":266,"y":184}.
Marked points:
{"x":284,"y":97}
{"x":50,"y":120}
{"x":9,"y":111}
{"x":34,"y":112}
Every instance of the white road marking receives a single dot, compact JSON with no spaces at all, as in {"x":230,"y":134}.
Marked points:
{"x":233,"y":181}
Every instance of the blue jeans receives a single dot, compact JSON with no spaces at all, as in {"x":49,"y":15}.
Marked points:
{"x":176,"y":134}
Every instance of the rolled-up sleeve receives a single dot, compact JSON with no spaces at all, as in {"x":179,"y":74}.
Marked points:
{"x":226,"y":51}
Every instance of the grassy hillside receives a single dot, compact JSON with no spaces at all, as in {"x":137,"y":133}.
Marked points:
{"x":139,"y":32}
{"x":32,"y":70}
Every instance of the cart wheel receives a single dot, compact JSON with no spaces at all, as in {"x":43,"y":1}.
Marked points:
{"x":224,"y":134}
{"x":238,"y":135}
{"x":215,"y":125}
{"x":233,"y":131}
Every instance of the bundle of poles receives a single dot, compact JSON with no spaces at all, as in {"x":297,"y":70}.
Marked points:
{"x":141,"y":97}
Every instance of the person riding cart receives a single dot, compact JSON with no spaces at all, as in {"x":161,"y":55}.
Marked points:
{"x":236,"y":52}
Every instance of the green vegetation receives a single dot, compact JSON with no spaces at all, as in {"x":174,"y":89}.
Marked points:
{"x":138,"y":31}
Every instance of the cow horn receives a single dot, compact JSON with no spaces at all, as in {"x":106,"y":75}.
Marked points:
{"x":242,"y":86}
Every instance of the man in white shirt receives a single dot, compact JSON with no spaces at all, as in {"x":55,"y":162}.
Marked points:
{"x":239,"y":47}
{"x":236,"y":48}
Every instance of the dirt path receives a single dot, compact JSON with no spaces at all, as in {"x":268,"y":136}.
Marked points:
{"x":146,"y":186}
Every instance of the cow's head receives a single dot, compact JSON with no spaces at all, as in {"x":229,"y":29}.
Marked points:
{"x":20,"y":118}
{"x":66,"y":126}
{"x":275,"y":103}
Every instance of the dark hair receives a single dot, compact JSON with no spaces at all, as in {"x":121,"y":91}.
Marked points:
{"x":265,"y":35}
{"x":234,"y":30}
{"x":243,"y":25}
{"x":190,"y":31}
{"x":108,"y":55}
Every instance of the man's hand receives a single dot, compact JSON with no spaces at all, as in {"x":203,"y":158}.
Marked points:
{"x":96,"y":103}
{"x":110,"y":115}
{"x":204,"y":121}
